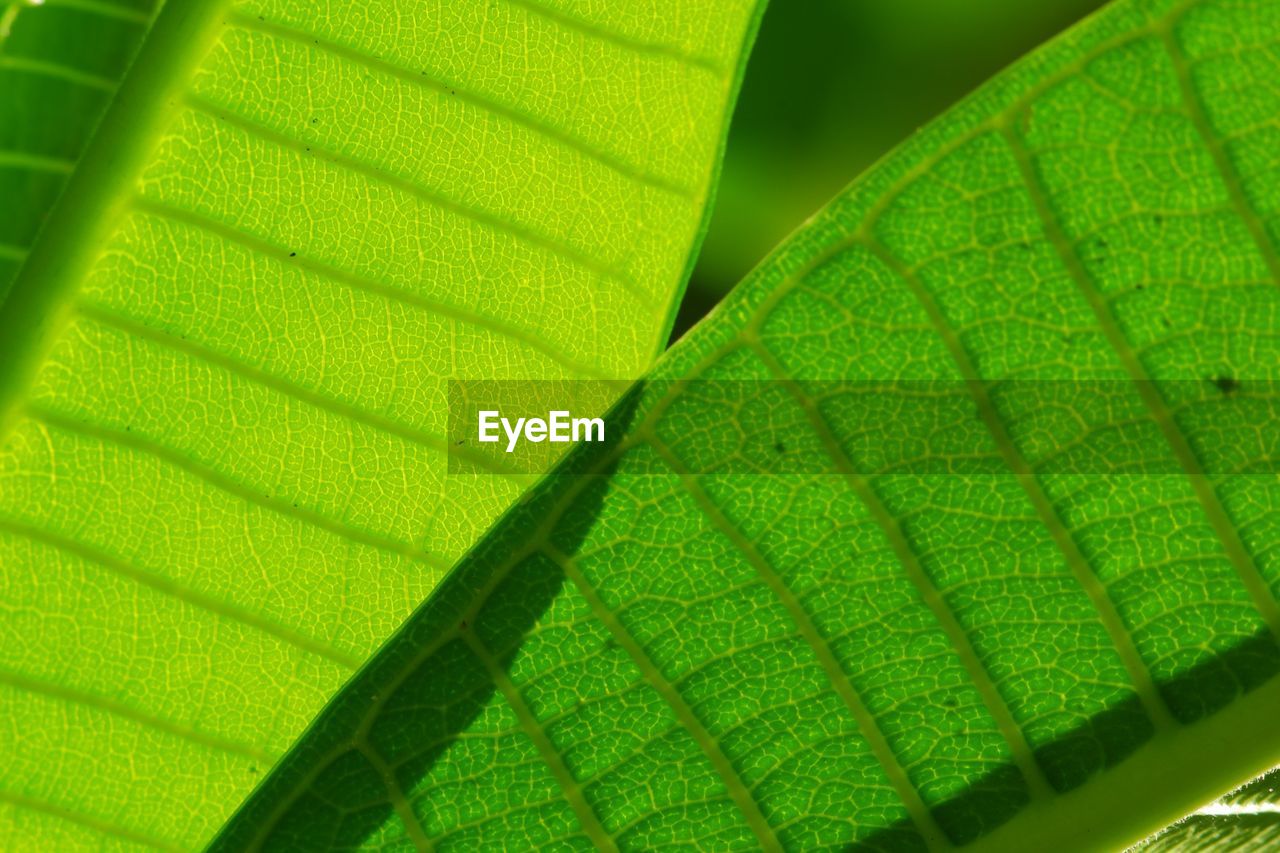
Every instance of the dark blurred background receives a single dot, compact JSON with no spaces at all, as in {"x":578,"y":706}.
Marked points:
{"x":833,"y":85}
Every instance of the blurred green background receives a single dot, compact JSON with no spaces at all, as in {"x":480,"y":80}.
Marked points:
{"x":832,"y":86}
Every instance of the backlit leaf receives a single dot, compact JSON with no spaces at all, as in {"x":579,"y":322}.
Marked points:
{"x":223,"y":363}
{"x":955,"y":524}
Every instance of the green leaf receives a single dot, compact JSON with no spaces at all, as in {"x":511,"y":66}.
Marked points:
{"x":1247,"y":819}
{"x":60,"y":62}
{"x":223,"y":365}
{"x":955,"y":524}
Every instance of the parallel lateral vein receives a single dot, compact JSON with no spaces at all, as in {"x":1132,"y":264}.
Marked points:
{"x":334,"y":406}
{"x":12,"y":253}
{"x":12,"y":159}
{"x":167,"y":586}
{"x":635,"y":45}
{"x":735,"y":786}
{"x":483,"y":218}
{"x":420,"y":78}
{"x":920,"y":815}
{"x":365,"y":285}
{"x":1020,"y":749}
{"x":399,"y":802}
{"x":105,"y":10}
{"x":1144,"y":686}
{"x":466,"y":828}
{"x":533,"y":730}
{"x":1231,"y":178}
{"x":1236,"y":551}
{"x":231,"y":486}
{"x":115,"y":708}
{"x":423,"y":653}
{"x":86,"y":821}
{"x":41,"y":68}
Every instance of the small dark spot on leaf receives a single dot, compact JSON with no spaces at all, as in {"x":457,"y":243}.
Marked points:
{"x":253,"y":768}
{"x":780,"y":447}
{"x":314,"y":120}
{"x":1141,"y":287}
{"x":610,"y":644}
{"x":293,"y":254}
{"x":461,"y":442}
{"x":1226,"y":384}
{"x":950,"y":702}
{"x":1158,"y":219}
{"x":1165,"y":321}
{"x":463,"y":625}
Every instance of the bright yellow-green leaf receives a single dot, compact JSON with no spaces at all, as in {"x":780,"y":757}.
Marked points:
{"x":956,"y":524}
{"x":223,"y":364}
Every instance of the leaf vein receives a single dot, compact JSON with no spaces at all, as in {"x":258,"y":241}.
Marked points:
{"x":1152,"y":702}
{"x":231,"y":486}
{"x":105,"y":10}
{"x":1236,"y":551}
{"x":376,"y":173}
{"x":13,"y":159}
{"x":173,"y":589}
{"x":735,"y":786}
{"x":533,"y":730}
{"x":420,"y":78}
{"x":929,"y":593}
{"x":257,"y":376}
{"x":1222,"y":162}
{"x":115,"y":708}
{"x":919,"y":813}
{"x":591,"y":28}
{"x":335,"y":275}
{"x":40,"y":68}
{"x":87,"y":821}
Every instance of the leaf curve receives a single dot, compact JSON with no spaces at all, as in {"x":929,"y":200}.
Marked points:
{"x":60,"y":62}
{"x":801,"y":634}
{"x":224,"y":361}
{"x":1247,"y":819}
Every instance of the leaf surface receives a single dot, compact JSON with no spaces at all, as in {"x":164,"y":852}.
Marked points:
{"x":797,"y":606}
{"x":60,"y":62}
{"x":1247,"y":819}
{"x":222,"y":477}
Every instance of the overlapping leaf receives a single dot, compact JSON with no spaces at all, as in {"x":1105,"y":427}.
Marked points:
{"x":787,"y":611}
{"x":60,"y":62}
